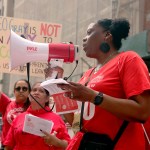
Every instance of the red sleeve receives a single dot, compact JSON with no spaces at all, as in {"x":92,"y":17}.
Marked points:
{"x":10,"y":141}
{"x":134,"y":75}
{"x":4,"y":101}
{"x":62,"y":132}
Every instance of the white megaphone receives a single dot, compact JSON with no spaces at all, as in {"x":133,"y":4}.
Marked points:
{"x":23,"y":51}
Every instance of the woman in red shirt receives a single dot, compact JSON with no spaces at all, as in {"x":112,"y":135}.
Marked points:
{"x":11,"y":108}
{"x":19,"y":140}
{"x":117,"y":89}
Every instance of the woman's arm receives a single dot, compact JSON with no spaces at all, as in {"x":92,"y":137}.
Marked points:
{"x":137,"y":108}
{"x":69,"y":117}
{"x":4,"y":101}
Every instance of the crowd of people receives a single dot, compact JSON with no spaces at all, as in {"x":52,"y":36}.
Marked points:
{"x":19,"y":140}
{"x":114,"y":97}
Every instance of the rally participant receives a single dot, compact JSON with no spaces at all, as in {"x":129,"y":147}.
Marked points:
{"x":11,"y":108}
{"x":117,"y":89}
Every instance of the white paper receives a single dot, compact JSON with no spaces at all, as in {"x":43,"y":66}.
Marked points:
{"x":51,"y":85}
{"x":34,"y":124}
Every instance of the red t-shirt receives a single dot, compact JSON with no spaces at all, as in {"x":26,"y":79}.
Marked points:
{"x":147,"y":129}
{"x":20,"y":140}
{"x":9,"y":109}
{"x":124,"y":76}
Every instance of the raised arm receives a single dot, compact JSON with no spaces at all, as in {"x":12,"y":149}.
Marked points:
{"x":4,"y":101}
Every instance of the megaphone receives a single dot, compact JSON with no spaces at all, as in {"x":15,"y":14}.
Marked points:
{"x":23,"y":51}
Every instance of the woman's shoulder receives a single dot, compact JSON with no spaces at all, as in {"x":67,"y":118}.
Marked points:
{"x":19,"y":119}
{"x":129,"y":56}
{"x":54,"y":117}
{"x":129,"y":53}
{"x":12,"y":104}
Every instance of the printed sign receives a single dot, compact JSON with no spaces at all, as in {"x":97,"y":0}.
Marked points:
{"x":36,"y":31}
{"x":64,"y":104}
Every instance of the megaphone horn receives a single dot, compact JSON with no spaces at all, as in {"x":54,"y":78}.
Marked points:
{"x":23,"y":51}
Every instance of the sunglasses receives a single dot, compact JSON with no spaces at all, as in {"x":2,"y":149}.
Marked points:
{"x":24,"y":89}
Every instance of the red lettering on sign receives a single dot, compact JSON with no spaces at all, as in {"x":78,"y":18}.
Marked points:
{"x":49,"y":30}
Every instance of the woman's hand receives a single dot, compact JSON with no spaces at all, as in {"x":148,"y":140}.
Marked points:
{"x":49,"y":139}
{"x":52,"y":140}
{"x":49,"y":71}
{"x":78,"y":91}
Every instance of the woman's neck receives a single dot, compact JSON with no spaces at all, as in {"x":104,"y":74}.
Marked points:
{"x":36,"y":107}
{"x":103,"y":59}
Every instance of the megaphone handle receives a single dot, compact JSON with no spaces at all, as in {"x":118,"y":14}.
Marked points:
{"x":53,"y":74}
{"x":50,"y":73}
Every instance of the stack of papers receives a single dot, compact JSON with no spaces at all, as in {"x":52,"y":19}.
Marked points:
{"x":62,"y":104}
{"x":51,"y":85}
{"x":34,"y":124}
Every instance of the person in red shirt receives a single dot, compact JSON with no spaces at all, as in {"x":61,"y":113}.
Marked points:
{"x":117,"y":89}
{"x":19,"y":140}
{"x":146,"y":127}
{"x":11,"y":108}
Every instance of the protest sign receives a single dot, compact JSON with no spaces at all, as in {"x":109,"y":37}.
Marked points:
{"x":36,"y":31}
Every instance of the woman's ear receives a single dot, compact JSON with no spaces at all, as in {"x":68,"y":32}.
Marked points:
{"x":108,"y":37}
{"x":105,"y":45}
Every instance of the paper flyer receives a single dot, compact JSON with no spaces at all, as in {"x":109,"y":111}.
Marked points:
{"x":34,"y":124}
{"x":64,"y":104}
{"x":51,"y":85}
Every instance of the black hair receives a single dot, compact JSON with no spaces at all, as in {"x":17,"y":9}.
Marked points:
{"x":119,"y":29}
{"x":27,"y":103}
